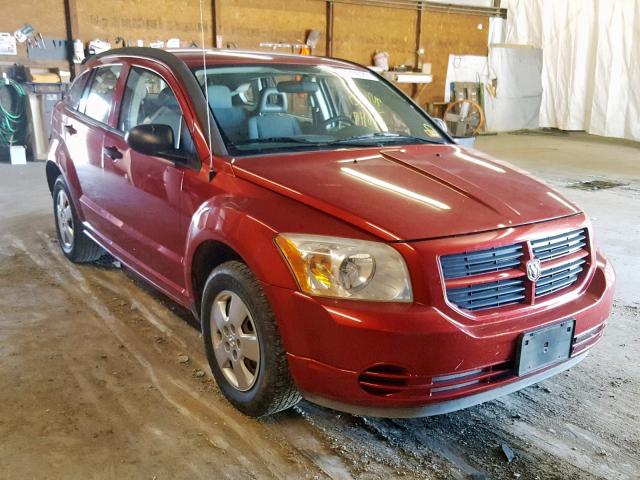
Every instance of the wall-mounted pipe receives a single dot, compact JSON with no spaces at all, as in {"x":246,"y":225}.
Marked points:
{"x":431,"y":6}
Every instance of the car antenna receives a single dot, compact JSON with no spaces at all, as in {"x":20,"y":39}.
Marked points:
{"x":206,"y":91}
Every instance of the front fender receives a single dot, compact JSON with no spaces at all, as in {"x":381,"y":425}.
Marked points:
{"x":250,"y":238}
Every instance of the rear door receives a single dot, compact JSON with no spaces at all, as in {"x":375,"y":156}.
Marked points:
{"x":149,"y":189}
{"x":71,"y":129}
{"x":85,"y":135}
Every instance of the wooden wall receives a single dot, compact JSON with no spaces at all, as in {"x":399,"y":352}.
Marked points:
{"x":143,"y":19}
{"x":359,"y":30}
{"x":450,"y":33}
{"x":246,"y":23}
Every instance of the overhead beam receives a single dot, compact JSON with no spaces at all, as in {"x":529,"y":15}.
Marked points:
{"x":329,"y":29}
{"x":215,"y":23}
{"x":415,"y":89}
{"x":492,"y":11}
{"x":72,"y":27}
{"x":419,"y":32}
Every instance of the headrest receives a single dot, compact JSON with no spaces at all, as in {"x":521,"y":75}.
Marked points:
{"x":167,"y":98}
{"x":273,"y":101}
{"x":219,"y":96}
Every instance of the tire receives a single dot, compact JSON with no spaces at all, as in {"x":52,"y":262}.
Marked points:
{"x":75,"y":245}
{"x":256,"y":388}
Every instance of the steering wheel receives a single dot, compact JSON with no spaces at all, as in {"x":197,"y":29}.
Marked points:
{"x":337,"y":120}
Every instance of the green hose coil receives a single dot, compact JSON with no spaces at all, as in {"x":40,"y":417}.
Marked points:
{"x":13,"y":118}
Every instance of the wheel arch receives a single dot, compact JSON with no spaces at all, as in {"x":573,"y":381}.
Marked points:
{"x":208,"y":255}
{"x":219,"y":233}
{"x":53,"y":171}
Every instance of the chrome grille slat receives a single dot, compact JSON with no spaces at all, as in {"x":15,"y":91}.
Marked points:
{"x":567,"y":267}
{"x":554,"y":287}
{"x":561,"y":238}
{"x":557,"y":278}
{"x":559,"y":245}
{"x":488,"y":286}
{"x":481,"y":261}
{"x":488,"y":295}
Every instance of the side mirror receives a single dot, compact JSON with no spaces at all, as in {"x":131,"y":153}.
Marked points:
{"x":152,"y":139}
{"x":441,"y":123}
{"x":469,"y":142}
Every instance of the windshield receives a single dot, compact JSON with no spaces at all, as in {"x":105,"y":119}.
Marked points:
{"x":260,"y":109}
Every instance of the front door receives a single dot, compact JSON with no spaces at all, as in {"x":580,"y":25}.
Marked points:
{"x":149,"y":200}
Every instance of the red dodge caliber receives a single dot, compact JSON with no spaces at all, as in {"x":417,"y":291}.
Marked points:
{"x":334,"y":242}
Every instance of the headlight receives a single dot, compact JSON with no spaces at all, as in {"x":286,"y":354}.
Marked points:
{"x":346,"y":268}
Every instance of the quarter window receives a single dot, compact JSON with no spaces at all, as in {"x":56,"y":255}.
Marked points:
{"x":75,"y":92}
{"x":98,"y":101}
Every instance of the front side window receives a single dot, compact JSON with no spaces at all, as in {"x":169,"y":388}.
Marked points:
{"x":98,"y":101}
{"x":262,"y":108}
{"x":148,"y":99}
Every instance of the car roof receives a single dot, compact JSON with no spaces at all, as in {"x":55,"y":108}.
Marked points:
{"x":193,"y":57}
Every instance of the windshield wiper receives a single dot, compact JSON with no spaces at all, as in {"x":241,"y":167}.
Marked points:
{"x":382,"y":137}
{"x":275,"y":140}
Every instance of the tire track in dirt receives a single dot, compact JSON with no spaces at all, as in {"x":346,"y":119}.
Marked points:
{"x":242,"y":434}
{"x":161,"y":317}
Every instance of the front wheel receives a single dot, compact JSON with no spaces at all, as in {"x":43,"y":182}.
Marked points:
{"x":76,"y":246}
{"x":242,"y":343}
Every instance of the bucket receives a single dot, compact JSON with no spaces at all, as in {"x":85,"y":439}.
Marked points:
{"x":381,"y":60}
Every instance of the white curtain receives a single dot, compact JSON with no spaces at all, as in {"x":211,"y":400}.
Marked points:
{"x":591,"y":62}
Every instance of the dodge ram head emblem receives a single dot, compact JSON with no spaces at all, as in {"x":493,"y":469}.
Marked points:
{"x":533,"y":269}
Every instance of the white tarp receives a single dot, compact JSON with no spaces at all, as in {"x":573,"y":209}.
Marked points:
{"x":516,"y":104}
{"x":464,"y":68}
{"x":591,"y":62}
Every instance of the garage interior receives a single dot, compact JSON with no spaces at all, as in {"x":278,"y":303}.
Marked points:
{"x":103,"y":377}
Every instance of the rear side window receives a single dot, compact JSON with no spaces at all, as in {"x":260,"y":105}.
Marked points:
{"x":75,"y":92}
{"x":98,"y":101}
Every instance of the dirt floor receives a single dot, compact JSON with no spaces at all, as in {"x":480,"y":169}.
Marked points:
{"x":94,"y":383}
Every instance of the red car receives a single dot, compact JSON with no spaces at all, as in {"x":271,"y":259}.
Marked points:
{"x":335,"y":243}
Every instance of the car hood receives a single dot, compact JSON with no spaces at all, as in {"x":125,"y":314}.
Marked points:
{"x":409,"y":193}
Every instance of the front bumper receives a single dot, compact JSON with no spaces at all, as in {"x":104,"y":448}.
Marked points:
{"x":432,"y":361}
{"x":447,"y":406}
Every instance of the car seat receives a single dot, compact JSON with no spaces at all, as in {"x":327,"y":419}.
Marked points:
{"x":231,"y":119}
{"x":168,"y":113}
{"x":272,"y":120}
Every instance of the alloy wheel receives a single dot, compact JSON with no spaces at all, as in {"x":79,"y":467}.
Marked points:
{"x":235,"y":340}
{"x":64,"y":218}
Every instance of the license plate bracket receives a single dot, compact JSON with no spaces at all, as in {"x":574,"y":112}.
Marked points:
{"x":544,"y":346}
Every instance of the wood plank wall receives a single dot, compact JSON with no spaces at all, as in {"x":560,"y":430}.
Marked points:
{"x":359,"y":30}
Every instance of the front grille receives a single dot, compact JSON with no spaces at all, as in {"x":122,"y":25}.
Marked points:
{"x":559,"y":245}
{"x":496,"y":277}
{"x":557,"y":278}
{"x":481,"y":261}
{"x":488,"y":295}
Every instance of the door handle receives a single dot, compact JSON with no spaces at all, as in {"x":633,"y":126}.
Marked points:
{"x":113,"y":153}
{"x":69,"y":128}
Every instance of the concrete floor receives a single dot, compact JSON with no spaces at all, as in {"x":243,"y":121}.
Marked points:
{"x":91,"y":385}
